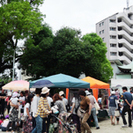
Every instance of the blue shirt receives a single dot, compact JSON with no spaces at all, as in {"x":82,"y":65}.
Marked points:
{"x":112,"y":99}
{"x":128,"y":96}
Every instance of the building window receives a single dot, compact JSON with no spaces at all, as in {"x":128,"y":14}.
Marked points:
{"x":113,"y":53}
{"x":99,"y":32}
{"x":112,"y":37}
{"x":112,"y":45}
{"x":112,"y":29}
{"x":102,"y":31}
{"x":103,"y":39}
{"x":102,"y":23}
{"x":99,"y":24}
{"x":112,"y":20}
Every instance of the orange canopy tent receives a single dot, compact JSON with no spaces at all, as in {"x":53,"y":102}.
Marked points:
{"x":96,"y":84}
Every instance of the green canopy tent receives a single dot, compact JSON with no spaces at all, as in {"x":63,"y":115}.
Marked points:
{"x":64,"y":81}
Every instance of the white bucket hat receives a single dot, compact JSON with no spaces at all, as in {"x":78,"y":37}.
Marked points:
{"x":15,"y":94}
{"x":113,"y":92}
{"x":87,"y":93}
{"x":61,"y":93}
{"x":45,"y":90}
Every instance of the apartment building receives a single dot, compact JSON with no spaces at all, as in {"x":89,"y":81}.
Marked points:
{"x":117,"y":32}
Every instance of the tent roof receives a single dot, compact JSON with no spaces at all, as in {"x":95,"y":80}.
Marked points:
{"x":94,"y":83}
{"x":66,"y":81}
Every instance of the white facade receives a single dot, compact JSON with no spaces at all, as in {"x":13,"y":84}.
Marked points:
{"x":117,"y":32}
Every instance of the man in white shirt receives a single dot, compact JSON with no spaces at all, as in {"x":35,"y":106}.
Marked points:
{"x":34,"y":105}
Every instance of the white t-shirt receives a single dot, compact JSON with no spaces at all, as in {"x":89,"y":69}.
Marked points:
{"x":23,"y":99}
{"x":65,"y":101}
{"x":27,"y":105}
{"x":50,"y":100}
{"x":34,"y":104}
{"x":76,"y":102}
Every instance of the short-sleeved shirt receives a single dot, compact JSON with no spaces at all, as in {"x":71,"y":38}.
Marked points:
{"x":84,"y":103}
{"x":60,"y":105}
{"x":112,"y":100}
{"x":27,"y":105}
{"x":43,"y":108}
{"x":128,"y":96}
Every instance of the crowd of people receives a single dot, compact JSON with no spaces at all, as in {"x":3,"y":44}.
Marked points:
{"x":31,"y":112}
{"x":119,"y":105}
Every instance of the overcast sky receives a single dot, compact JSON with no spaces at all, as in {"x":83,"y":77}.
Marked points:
{"x":80,"y":14}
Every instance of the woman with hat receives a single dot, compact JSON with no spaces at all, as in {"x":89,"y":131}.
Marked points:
{"x":42,"y":112}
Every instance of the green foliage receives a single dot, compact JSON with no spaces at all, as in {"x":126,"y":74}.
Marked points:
{"x":33,"y":3}
{"x":67,"y":53}
{"x":98,"y":65}
{"x":36,"y":58}
{"x":18,"y":21}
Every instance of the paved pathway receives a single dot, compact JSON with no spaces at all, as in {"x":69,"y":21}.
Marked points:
{"x":106,"y":127}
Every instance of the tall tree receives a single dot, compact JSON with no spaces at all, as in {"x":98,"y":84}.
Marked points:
{"x":66,"y":52}
{"x":36,"y":59}
{"x":18,"y":21}
{"x":98,"y":65}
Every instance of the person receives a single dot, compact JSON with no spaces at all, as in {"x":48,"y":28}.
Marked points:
{"x":4,"y":124}
{"x":9,"y":94}
{"x":112,"y":107}
{"x":128,"y":103}
{"x":50,"y":100}
{"x":2,"y":100}
{"x":65,"y":101}
{"x":75,"y":105}
{"x":58,"y":101}
{"x":21,"y":101}
{"x":27,"y":124}
{"x":42,"y":112}
{"x":34,"y":105}
{"x":86,"y":106}
{"x":93,"y":110}
{"x":117,"y":112}
{"x":13,"y":113}
{"x":117,"y":93}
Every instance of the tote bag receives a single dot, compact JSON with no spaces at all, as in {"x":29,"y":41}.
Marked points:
{"x":96,"y":104}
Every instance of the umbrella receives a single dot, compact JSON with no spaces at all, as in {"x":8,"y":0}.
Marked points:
{"x":17,"y":85}
{"x":41,"y":83}
{"x":66,"y":81}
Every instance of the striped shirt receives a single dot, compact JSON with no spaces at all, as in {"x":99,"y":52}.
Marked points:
{"x":43,"y":108}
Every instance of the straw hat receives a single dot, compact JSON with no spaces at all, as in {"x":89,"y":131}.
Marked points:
{"x":61,"y":93}
{"x":45,"y":90}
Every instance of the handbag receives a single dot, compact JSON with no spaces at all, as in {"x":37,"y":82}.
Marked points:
{"x":81,"y":112}
{"x":97,"y":106}
{"x":6,"y":112}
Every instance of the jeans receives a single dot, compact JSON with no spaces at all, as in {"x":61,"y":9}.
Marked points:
{"x":126,"y":109}
{"x":93,"y":112}
{"x":39,"y":122}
